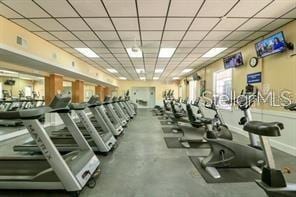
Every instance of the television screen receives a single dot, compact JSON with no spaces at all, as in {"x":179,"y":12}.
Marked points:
{"x":233,"y":61}
{"x":271,"y":45}
{"x":9,"y":82}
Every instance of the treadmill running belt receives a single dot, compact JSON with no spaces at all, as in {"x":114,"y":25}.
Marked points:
{"x":228,"y":175}
{"x":173,"y":142}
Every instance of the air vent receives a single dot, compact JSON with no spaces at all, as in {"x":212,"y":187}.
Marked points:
{"x":21,"y":42}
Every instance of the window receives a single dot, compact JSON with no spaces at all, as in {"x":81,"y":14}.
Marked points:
{"x":192,"y":90}
{"x":223,"y":88}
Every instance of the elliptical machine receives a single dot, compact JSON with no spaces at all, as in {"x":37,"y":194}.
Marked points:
{"x":229,"y":154}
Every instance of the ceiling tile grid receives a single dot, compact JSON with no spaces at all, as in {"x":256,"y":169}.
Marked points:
{"x":108,"y":28}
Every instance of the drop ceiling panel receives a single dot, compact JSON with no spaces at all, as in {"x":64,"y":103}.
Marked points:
{"x":64,"y":35}
{"x":255,"y":24}
{"x":169,"y":44}
{"x":275,"y":24}
{"x":230,"y":23}
{"x":291,"y":14}
{"x":204,"y":23}
{"x":49,"y":24}
{"x":27,"y":24}
{"x":152,"y":23}
{"x":100,"y":50}
{"x":151,"y":35}
{"x":256,"y":35}
{"x":8,"y":13}
{"x":277,"y":8}
{"x":121,"y":8}
{"x":74,"y":23}
{"x":75,"y":44}
{"x":151,"y":44}
{"x":26,"y":8}
{"x":89,"y":8}
{"x":238,"y":35}
{"x":150,"y":50}
{"x":115,"y":44}
{"x":185,"y":7}
{"x":107,"y":35}
{"x":117,"y":50}
{"x":173,"y":35}
{"x":129,"y":35}
{"x":57,"y":8}
{"x":99,"y":23}
{"x":59,"y":44}
{"x":216,"y":8}
{"x":186,"y":43}
{"x":195,"y":35}
{"x":207,"y":44}
{"x":85,"y":35}
{"x":93,"y":43}
{"x":45,"y":35}
{"x":247,"y":8}
{"x":178,"y":23}
{"x":217,"y":35}
{"x":153,"y":7}
{"x":226,"y":43}
{"x":126,"y":23}
{"x":240,"y":44}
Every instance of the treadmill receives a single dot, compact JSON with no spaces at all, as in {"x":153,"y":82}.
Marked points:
{"x":125,"y":108}
{"x":99,"y":111}
{"x":99,"y":142}
{"x":51,"y":170}
{"x":111,"y":112}
{"x":121,"y":115}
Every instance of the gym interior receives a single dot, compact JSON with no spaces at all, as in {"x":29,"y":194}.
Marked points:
{"x":148,"y":98}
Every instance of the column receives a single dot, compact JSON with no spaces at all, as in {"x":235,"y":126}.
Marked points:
{"x":53,"y":86}
{"x":77,"y":91}
{"x":100,"y":92}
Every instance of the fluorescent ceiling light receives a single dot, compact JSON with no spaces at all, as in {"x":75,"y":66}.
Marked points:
{"x":166,"y":52}
{"x":111,"y":70}
{"x":175,"y":78}
{"x":140,"y":70}
{"x":122,"y":78}
{"x":213,"y":52}
{"x":87,"y":52}
{"x":187,"y":70}
{"x":158,"y":70}
{"x":134,"y":52}
{"x":142,"y":78}
{"x":155,"y":78}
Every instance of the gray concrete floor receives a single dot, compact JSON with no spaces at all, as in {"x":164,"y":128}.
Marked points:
{"x":142,"y":166}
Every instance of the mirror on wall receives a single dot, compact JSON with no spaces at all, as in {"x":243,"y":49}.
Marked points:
{"x":67,"y":88}
{"x":89,"y":90}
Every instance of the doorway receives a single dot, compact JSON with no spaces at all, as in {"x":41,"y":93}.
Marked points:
{"x":144,"y":97}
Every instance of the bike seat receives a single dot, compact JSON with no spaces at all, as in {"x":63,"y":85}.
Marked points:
{"x":264,"y":128}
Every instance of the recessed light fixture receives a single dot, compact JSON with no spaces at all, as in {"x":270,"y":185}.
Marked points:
{"x":111,"y":70}
{"x":166,"y":52}
{"x":155,"y":78}
{"x":187,"y":70}
{"x":213,"y":52}
{"x":142,"y":78}
{"x":87,"y":52}
{"x":134,"y":52}
{"x":158,"y":70}
{"x":175,"y":78}
{"x":122,"y":78}
{"x":140,"y":70}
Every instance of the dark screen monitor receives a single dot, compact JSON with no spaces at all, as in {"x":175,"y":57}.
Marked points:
{"x":233,"y":61}
{"x":271,"y":45}
{"x":9,"y":82}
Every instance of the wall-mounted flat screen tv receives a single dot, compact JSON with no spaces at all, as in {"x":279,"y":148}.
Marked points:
{"x":271,"y":45}
{"x":233,"y":61}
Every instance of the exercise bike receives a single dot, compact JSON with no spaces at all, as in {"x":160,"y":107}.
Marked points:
{"x":229,"y":154}
{"x":272,"y":179}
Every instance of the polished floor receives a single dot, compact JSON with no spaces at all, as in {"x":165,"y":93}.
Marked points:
{"x":142,"y":166}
